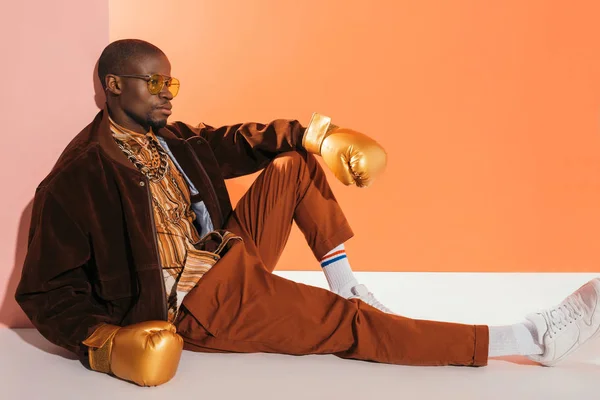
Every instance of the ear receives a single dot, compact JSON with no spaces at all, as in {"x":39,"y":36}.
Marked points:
{"x":113,"y":84}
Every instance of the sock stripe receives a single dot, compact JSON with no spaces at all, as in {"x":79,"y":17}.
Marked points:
{"x":335,"y":253}
{"x":337,"y":271}
{"x":332,"y":260}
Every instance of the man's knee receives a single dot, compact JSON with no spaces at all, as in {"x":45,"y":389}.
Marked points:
{"x":289,"y":157}
{"x":297,"y":166}
{"x":290,"y":162}
{"x":295,"y":159}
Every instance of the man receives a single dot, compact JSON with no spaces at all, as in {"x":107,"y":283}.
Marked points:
{"x":135,"y":251}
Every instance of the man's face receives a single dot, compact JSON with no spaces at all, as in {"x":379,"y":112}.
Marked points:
{"x":142,"y":107}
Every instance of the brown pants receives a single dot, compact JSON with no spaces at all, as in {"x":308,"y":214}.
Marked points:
{"x":240,"y":306}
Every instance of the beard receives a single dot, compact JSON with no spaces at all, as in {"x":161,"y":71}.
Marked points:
{"x":155,"y":123}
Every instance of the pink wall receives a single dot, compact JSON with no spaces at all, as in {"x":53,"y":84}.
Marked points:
{"x":49,"y":49}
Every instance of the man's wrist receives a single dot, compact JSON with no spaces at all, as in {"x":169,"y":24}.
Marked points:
{"x":316,"y":131}
{"x":99,"y":345}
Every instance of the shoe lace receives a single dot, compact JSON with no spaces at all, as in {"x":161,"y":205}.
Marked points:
{"x":372,"y":301}
{"x":564,"y":314}
{"x":361,"y":292}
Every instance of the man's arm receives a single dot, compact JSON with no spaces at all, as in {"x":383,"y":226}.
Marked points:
{"x":54,"y":290}
{"x":242,"y":149}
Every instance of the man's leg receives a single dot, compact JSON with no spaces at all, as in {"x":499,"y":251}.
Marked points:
{"x":291,"y":188}
{"x":240,"y":306}
{"x":294,"y":188}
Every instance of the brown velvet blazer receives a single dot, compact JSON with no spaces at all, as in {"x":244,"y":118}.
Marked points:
{"x":92,"y":256}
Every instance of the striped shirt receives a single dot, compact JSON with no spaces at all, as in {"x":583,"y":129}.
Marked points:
{"x":182,"y":264}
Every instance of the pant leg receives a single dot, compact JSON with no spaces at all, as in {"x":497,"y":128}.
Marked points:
{"x":293,"y":187}
{"x":240,"y":306}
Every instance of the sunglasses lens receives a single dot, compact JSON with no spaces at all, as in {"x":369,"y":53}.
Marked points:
{"x":156,"y":83}
{"x":173,"y":86}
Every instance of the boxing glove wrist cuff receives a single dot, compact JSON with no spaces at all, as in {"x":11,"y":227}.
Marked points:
{"x":100,"y":347}
{"x":316,"y":132}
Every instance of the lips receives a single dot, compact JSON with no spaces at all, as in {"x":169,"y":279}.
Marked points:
{"x":166,"y":109}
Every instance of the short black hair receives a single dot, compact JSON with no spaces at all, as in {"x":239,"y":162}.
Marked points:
{"x":116,"y":55}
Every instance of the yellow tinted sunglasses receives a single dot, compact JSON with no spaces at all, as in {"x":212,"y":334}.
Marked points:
{"x":156,"y":83}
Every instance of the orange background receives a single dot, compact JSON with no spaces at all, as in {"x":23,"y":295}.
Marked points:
{"x":489,"y":112}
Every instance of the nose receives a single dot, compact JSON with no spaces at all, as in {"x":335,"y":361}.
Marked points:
{"x":165,"y":93}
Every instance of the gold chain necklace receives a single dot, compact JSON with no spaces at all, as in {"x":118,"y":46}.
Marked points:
{"x":155,"y":174}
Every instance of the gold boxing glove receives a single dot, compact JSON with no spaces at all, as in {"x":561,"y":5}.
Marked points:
{"x":353,"y":157}
{"x":146,"y":353}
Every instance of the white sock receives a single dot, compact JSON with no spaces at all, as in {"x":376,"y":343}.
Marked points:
{"x":338,"y":272}
{"x":517,"y":339}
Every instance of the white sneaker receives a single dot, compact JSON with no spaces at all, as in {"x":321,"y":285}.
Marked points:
{"x":564,"y":328}
{"x":361,"y":292}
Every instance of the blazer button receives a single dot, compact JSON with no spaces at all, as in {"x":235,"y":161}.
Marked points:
{"x":142,"y":183}
{"x":199,"y":142}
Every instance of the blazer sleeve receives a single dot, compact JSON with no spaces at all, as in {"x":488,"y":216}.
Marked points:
{"x":55,"y":291}
{"x":246,"y":148}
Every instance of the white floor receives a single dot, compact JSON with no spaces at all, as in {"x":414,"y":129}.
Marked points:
{"x":32,"y":368}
